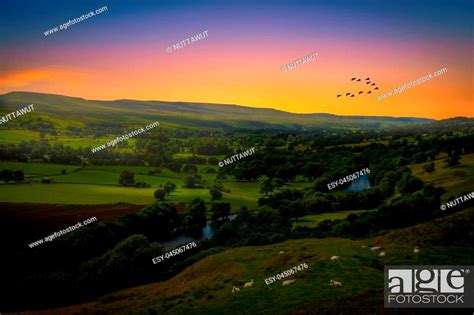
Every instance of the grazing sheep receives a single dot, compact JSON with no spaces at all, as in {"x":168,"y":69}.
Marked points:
{"x":416,"y":250}
{"x":375,"y":248}
{"x":335,"y":258}
{"x":235,"y":289}
{"x":333,"y":283}
{"x":363,"y":246}
{"x":288,"y":282}
{"x":382,"y":254}
{"x":248,"y":284}
{"x":281,"y":252}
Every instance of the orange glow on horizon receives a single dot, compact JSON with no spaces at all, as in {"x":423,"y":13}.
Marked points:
{"x":216,"y":73}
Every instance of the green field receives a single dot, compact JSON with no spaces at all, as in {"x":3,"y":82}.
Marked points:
{"x":365,"y":143}
{"x":88,"y":176}
{"x":62,"y":193}
{"x":35,"y":169}
{"x":67,"y":193}
{"x":314,"y":219}
{"x":17,"y":136}
{"x":456,"y":180}
{"x":99,"y":185}
{"x":119,"y":168}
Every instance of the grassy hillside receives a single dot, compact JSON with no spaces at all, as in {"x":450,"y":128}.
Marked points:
{"x":313,"y":220}
{"x":72,"y":111}
{"x":455,"y":180}
{"x":205,"y":287}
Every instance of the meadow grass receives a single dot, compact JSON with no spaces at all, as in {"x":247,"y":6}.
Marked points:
{"x":119,"y":168}
{"x":365,"y":143}
{"x":87,"y":176}
{"x":34,"y":169}
{"x":185,"y":155}
{"x":17,"y":136}
{"x":74,"y":193}
{"x":61,"y":193}
{"x":99,"y":184}
{"x":456,"y":180}
{"x":313,"y":220}
{"x":247,"y":193}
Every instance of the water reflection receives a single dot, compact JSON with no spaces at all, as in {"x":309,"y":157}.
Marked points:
{"x":359,"y":184}
{"x":207,"y":233}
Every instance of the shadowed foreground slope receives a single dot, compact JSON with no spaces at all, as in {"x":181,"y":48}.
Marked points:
{"x":205,"y":287}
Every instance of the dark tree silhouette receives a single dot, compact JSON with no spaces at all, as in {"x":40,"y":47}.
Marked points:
{"x":160,"y":194}
{"x":126,"y":178}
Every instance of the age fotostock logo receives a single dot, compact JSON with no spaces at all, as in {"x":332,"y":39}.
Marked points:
{"x":429,"y":286}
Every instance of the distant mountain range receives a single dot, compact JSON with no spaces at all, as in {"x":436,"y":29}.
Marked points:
{"x":79,"y":111}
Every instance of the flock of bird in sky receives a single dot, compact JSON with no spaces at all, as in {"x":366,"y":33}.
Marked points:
{"x":349,"y":94}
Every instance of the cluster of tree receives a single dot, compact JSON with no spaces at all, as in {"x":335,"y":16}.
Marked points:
{"x":320,"y":153}
{"x":12,"y":176}
{"x":267,"y":185}
{"x":272,"y":222}
{"x":127,"y":178}
{"x":215,"y":193}
{"x":35,"y":124}
{"x":405,"y":210}
{"x":220,"y":211}
{"x":453,"y":159}
{"x":106,"y":256}
{"x":161,"y":193}
{"x":192,"y":179}
{"x":429,"y":167}
{"x":317,"y":198}
{"x":261,"y":227}
{"x":211,"y":148}
{"x":217,"y":189}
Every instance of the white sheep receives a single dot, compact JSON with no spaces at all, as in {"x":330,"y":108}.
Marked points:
{"x":333,"y":283}
{"x":235,"y":289}
{"x":363,"y":246}
{"x":416,"y":250}
{"x":335,"y":258}
{"x":288,"y":282}
{"x":281,"y":252}
{"x":382,"y":254}
{"x":248,"y":284}
{"x":375,"y":248}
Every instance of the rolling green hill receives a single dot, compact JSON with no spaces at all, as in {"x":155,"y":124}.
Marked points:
{"x":456,"y":180}
{"x":64,"y":111}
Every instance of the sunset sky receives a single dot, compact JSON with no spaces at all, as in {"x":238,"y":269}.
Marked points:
{"x":121,"y":53}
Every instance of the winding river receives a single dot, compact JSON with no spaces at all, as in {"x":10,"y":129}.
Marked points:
{"x":359,"y":184}
{"x":207,"y":233}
